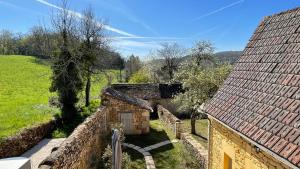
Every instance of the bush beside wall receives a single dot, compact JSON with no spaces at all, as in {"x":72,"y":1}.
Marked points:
{"x":27,"y":138}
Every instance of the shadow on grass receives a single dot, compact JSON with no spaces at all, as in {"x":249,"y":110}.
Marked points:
{"x":153,"y":137}
{"x":64,"y":129}
{"x":45,"y":62}
{"x":200,"y":136}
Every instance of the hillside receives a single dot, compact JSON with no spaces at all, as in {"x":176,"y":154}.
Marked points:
{"x":228,"y":56}
{"x":24,"y":93}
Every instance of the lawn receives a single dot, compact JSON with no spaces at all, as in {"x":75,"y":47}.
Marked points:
{"x":24,"y":93}
{"x":172,"y":156}
{"x":201,"y":130}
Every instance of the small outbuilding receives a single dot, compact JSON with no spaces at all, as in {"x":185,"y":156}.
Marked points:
{"x":131,"y":112}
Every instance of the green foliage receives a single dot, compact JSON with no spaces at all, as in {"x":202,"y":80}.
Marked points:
{"x":107,"y":158}
{"x":199,"y":84}
{"x":200,"y":77}
{"x":141,"y":76}
{"x":24,"y":94}
{"x":67,"y":82}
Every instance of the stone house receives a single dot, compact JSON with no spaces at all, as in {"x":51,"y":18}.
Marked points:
{"x":154,"y":93}
{"x":131,"y":112}
{"x":255,"y":115}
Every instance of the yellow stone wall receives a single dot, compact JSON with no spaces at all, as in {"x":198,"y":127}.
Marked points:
{"x":243,"y":155}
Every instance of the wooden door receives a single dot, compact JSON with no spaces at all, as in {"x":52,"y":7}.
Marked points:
{"x":127,"y":121}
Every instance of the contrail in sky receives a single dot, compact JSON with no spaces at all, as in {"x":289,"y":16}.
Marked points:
{"x":219,"y":10}
{"x":79,"y":15}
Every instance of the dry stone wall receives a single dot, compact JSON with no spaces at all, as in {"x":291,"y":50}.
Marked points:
{"x":27,"y":138}
{"x":170,"y":120}
{"x":195,"y":148}
{"x":83,"y":148}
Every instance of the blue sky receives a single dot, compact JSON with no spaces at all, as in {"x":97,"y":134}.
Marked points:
{"x":140,"y":26}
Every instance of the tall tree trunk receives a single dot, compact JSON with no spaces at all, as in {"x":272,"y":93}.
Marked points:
{"x":193,"y":123}
{"x":120,"y":80}
{"x":87,"y":90}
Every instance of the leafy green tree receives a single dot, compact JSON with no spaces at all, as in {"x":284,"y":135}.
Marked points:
{"x":66,"y":76}
{"x":200,"y":81}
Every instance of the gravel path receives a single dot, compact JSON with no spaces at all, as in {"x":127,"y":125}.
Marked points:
{"x":39,"y":152}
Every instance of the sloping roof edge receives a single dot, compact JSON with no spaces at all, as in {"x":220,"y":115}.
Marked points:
{"x":131,"y":100}
{"x":271,"y":153}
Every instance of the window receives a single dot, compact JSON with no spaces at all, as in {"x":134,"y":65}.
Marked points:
{"x":227,"y":162}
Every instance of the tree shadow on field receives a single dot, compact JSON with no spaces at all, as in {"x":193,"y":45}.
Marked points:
{"x":44,"y":62}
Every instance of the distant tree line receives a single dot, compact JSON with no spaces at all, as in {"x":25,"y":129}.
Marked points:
{"x":42,"y":43}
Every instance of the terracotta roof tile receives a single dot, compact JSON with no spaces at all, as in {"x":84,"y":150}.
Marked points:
{"x":279,"y":145}
{"x":288,"y":150}
{"x":284,"y":131}
{"x":295,"y":157}
{"x":272,"y":141}
{"x":261,"y":96}
{"x":293,"y":135}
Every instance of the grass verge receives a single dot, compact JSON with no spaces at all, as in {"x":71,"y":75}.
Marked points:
{"x":201,"y":130}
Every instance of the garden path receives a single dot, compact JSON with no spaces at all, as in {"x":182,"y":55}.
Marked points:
{"x":145,"y":151}
{"x":39,"y":152}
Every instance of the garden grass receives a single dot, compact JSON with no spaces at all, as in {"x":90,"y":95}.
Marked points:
{"x":171,"y":156}
{"x":201,"y":130}
{"x":24,"y":93}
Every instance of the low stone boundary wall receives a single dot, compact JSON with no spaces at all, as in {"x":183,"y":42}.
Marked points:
{"x":16,"y":145}
{"x":82,"y":149}
{"x":196,"y":149}
{"x":170,"y":120}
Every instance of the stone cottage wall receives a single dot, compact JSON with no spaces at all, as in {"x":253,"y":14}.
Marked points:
{"x":170,"y":120}
{"x":82,"y":149}
{"x":27,"y":138}
{"x":115,"y":107}
{"x":243,"y":154}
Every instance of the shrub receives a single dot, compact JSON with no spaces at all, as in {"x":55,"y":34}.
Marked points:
{"x":140,"y":76}
{"x":107,"y":158}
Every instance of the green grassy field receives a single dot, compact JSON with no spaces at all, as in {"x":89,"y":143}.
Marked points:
{"x":24,"y":93}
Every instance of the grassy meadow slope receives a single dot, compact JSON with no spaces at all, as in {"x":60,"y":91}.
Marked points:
{"x":24,"y":93}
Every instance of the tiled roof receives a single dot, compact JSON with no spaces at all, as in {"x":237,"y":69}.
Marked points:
{"x":260,"y":98}
{"x":131,"y":100}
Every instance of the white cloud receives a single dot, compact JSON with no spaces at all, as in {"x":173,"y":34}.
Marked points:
{"x":219,"y":10}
